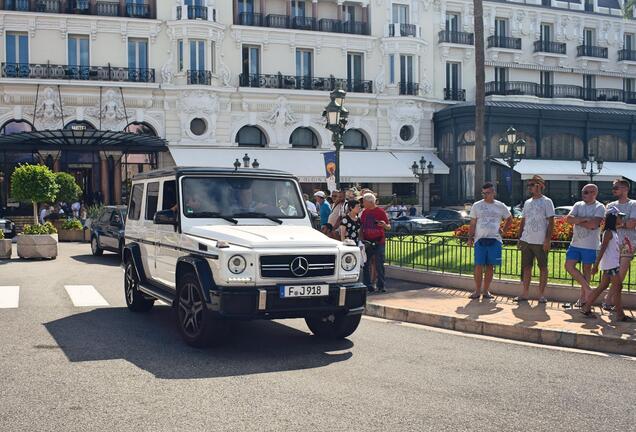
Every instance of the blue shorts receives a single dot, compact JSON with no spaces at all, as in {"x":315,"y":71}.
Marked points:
{"x":584,"y":256}
{"x":488,"y":252}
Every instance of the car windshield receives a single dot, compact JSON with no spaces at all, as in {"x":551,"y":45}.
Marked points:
{"x":241,"y":197}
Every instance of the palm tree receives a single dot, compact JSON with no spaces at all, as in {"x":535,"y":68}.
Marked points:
{"x":480,"y":95}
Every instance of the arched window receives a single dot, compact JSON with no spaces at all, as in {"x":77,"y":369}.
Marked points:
{"x":608,"y":147}
{"x":16,"y":126}
{"x":466,"y":146}
{"x":140,"y":128}
{"x":303,"y":137}
{"x":355,"y":139}
{"x":79,"y":125}
{"x":251,"y":136}
{"x":531,"y":144}
{"x":562,"y":147}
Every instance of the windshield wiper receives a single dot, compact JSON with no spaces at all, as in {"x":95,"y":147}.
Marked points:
{"x":258,"y":215}
{"x":209,"y":214}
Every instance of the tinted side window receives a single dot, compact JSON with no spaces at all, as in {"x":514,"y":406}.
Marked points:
{"x":105,"y":216}
{"x":152,"y":196}
{"x":135,"y":201}
{"x":169,"y":195}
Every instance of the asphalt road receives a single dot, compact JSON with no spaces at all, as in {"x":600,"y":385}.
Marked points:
{"x":69,"y":368}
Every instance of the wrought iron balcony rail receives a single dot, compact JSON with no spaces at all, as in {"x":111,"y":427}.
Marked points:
{"x":82,"y":73}
{"x":293,"y":82}
{"x":82,"y":7}
{"x":454,"y":94}
{"x":399,"y":29}
{"x":549,"y":47}
{"x":199,"y":77}
{"x":504,"y":42}
{"x":625,"y":54}
{"x":591,"y":51}
{"x":409,"y":88}
{"x":302,"y":23}
{"x":456,"y":37}
{"x":522,"y":88}
{"x":193,"y":12}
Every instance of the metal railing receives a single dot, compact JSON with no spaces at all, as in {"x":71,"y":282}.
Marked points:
{"x":523,"y":88}
{"x":456,"y":37}
{"x":400,"y":29}
{"x":193,"y":12}
{"x":626,"y":54}
{"x":550,"y":47}
{"x":454,"y":94}
{"x":107,"y":8}
{"x":280,"y":81}
{"x":81,"y":7}
{"x":82,"y":73}
{"x":302,"y":23}
{"x":409,"y":88}
{"x":504,"y":42}
{"x":199,"y":77}
{"x":447,"y":254}
{"x":591,"y":51}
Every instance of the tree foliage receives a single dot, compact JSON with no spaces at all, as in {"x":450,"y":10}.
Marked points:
{"x":34,"y":183}
{"x":69,"y":191}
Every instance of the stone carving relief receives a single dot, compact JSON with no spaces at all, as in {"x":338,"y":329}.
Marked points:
{"x":380,"y":83}
{"x":199,"y":104}
{"x":403,"y":113}
{"x":280,"y":116}
{"x":224,"y":71}
{"x":167,"y":69}
{"x":112,"y":110}
{"x":48,"y":114}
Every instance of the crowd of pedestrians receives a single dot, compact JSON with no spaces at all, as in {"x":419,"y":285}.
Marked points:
{"x":612,"y":256}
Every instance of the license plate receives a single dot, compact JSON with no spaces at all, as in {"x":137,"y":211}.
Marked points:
{"x":304,"y":290}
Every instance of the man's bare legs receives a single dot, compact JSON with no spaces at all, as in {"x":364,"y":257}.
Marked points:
{"x":482,"y":279}
{"x":525,"y":279}
{"x":581,"y":278}
{"x":543,"y":281}
{"x":490,"y":271}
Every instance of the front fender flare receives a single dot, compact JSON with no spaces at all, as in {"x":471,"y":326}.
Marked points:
{"x":201,"y":269}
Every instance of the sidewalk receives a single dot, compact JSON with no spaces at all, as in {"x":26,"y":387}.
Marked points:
{"x":549,"y":323}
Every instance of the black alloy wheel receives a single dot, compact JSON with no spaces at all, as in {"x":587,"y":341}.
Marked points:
{"x":95,"y":249}
{"x":135,"y":300}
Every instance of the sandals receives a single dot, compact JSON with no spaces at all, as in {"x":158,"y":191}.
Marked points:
{"x":474,"y":296}
{"x":488,"y":296}
{"x":607,"y":307}
{"x":519,"y":299}
{"x":588,"y":314}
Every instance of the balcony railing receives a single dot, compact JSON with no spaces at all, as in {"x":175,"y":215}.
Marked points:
{"x":399,"y":29}
{"x":628,"y":55}
{"x":82,"y":7}
{"x":454,"y":94}
{"x":591,"y":51}
{"x":409,"y":88}
{"x":522,"y":88}
{"x":456,"y":37}
{"x":293,"y":82}
{"x":302,"y":23}
{"x":83,"y":73}
{"x":199,"y":77}
{"x":504,"y":42}
{"x":549,"y":47}
{"x":193,"y":12}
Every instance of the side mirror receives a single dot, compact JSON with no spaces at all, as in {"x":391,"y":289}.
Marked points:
{"x":165,"y":217}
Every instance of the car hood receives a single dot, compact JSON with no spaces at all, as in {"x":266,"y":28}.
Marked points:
{"x":424,"y":221}
{"x":264,"y":236}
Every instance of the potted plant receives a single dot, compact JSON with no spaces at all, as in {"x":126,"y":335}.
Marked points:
{"x":71,"y":230}
{"x":68,"y":192}
{"x":92,"y":213}
{"x":5,"y":247}
{"x":38,"y":241}
{"x":34,"y":183}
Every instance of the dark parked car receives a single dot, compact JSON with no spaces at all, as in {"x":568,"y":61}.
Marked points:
{"x":449,"y":218}
{"x":107,"y":231}
{"x":415,"y":225}
{"x":7,"y":227}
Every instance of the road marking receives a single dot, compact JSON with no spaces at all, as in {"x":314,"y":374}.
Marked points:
{"x":85,"y":295}
{"x":9,"y":297}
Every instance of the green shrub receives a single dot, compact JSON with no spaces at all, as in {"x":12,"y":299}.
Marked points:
{"x":72,"y":224}
{"x":35,"y":184}
{"x":1,"y":235}
{"x":93,"y":211}
{"x":69,"y":190}
{"x":39,"y":229}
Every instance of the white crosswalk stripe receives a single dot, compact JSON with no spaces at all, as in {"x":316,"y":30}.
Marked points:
{"x":85,"y":295}
{"x":9,"y":297}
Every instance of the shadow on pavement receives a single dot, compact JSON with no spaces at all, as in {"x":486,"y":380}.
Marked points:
{"x":152,"y":343}
{"x":530,"y":316}
{"x":108,"y":259}
{"x":474,"y":309}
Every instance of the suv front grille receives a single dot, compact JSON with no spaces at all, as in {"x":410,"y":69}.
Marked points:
{"x":280,"y":266}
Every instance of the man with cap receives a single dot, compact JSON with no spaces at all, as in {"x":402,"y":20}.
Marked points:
{"x":537,"y":223}
{"x":324,"y":209}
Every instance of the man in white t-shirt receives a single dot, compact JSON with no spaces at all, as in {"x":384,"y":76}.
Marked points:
{"x":537,"y":223}
{"x":586,"y":216}
{"x":485,"y":235}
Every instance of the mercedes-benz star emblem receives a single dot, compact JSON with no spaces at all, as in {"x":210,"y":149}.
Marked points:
{"x":299,"y":266}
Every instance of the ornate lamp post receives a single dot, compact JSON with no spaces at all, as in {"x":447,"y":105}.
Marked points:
{"x":591,"y":159}
{"x":512,"y":150}
{"x":337,"y":116}
{"x":423,"y":172}
{"x":246,"y":163}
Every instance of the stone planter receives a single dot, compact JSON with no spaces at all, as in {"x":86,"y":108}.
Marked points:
{"x":70,"y":235}
{"x":37,"y":246}
{"x":5,"y":249}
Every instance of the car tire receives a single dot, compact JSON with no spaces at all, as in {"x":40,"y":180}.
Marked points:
{"x":334,"y":326}
{"x":135,"y":300}
{"x":197,"y":325}
{"x":95,"y":249}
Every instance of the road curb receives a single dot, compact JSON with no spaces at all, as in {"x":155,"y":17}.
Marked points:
{"x":561,"y":338}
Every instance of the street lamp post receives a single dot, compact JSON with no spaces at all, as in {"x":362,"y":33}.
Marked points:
{"x":512,"y":150}
{"x":591,"y":159}
{"x":337,"y":116}
{"x":246,"y":163}
{"x":423,"y":172}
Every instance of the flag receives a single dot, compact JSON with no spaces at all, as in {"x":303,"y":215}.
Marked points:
{"x":330,"y":170}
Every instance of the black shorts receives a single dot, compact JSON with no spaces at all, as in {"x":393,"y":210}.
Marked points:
{"x":612,"y":272}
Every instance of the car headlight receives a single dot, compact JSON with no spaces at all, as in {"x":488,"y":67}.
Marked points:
{"x":237,"y":264}
{"x":348,"y":262}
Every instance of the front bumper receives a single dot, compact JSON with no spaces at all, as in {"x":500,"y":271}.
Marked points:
{"x":265,"y":302}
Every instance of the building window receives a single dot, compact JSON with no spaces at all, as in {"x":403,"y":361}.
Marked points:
{"x":608,"y":148}
{"x":354,"y":139}
{"x":251,"y":61}
{"x":628,"y":86}
{"x":452,"y":22}
{"x":140,"y":128}
{"x":406,"y":133}
{"x":17,"y":48}
{"x":138,"y":60}
{"x":391,"y":68}
{"x":213,"y":57}
{"x":180,"y":54}
{"x":355,"y":72}
{"x":246,"y":6}
{"x":78,"y":56}
{"x":501,"y":27}
{"x":304,"y":70}
{"x":589,"y":37}
{"x":303,"y":137}
{"x":197,"y":55}
{"x":453,"y":77}
{"x":546,"y":32}
{"x":400,"y":14}
{"x":298,"y":8}
{"x":562,"y":147}
{"x":198,"y":126}
{"x":16,"y":126}
{"x":406,"y":69}
{"x":628,"y":41}
{"x":251,"y":136}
